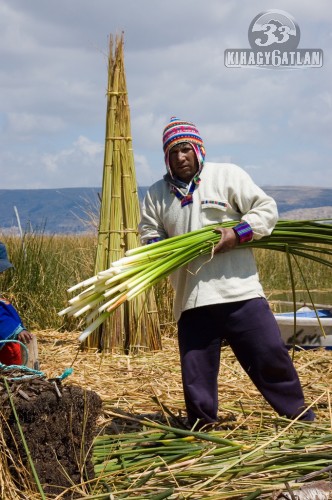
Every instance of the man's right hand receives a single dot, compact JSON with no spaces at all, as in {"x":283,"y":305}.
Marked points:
{"x":228,"y":239}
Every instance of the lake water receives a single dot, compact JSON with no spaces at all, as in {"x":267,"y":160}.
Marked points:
{"x":282,"y":301}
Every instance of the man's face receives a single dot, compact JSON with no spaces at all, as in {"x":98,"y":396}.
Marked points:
{"x":183,"y":161}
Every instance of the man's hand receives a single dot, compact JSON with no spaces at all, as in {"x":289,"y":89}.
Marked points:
{"x":227,"y":241}
{"x":24,"y":336}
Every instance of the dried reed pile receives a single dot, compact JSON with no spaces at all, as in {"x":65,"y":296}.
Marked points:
{"x":144,"y":448}
{"x":135,"y":325}
{"x":9,"y":490}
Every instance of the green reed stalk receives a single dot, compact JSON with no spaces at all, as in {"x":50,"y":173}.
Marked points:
{"x":25,"y":444}
{"x":143,"y":267}
{"x":206,"y":463}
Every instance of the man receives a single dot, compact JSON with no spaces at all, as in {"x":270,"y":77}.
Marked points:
{"x":219,"y":298}
{"x":11,"y":327}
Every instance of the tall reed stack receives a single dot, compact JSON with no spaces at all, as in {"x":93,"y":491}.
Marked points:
{"x":135,"y":325}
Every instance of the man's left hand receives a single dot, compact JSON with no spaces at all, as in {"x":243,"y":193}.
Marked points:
{"x":228,"y":240}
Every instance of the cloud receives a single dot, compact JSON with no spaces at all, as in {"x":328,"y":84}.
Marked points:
{"x":53,"y":78}
{"x":314,"y":120}
{"x":232,"y":132}
{"x":26,"y":124}
{"x":145,"y":174}
{"x":79,"y":165}
{"x":81,"y":159}
{"x":289,"y":169}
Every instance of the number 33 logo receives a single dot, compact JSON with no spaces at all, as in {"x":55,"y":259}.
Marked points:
{"x":273,"y":34}
{"x":274,"y":28}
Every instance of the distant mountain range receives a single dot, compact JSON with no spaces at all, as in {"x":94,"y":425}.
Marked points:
{"x":75,"y":210}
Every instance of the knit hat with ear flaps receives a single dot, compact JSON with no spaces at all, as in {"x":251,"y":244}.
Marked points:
{"x":178,"y":131}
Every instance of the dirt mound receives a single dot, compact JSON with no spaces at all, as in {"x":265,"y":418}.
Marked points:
{"x":59,"y":424}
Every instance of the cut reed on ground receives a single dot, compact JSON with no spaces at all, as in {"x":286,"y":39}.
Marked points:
{"x":200,"y":465}
{"x":143,"y":267}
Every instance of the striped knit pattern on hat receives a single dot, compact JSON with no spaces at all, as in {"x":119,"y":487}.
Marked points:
{"x":178,"y":131}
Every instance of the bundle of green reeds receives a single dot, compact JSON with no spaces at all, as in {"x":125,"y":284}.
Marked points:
{"x":142,"y":267}
{"x":179,"y":463}
{"x":137,"y":324}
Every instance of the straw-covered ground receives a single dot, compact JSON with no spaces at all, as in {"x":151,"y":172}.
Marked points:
{"x":145,"y":383}
{"x":149,"y":385}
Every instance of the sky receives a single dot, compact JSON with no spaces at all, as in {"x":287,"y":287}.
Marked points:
{"x":274,"y":123}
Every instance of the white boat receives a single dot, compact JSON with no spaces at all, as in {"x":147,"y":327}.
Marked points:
{"x":310,"y":333}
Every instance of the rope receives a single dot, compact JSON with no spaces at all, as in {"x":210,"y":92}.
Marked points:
{"x":119,"y":138}
{"x":32,"y":373}
{"x":120,"y":231}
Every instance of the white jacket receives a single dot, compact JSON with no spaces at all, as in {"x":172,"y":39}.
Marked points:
{"x":226,"y":192}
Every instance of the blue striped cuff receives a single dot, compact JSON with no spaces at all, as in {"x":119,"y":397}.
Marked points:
{"x":244,"y":232}
{"x":153,"y":240}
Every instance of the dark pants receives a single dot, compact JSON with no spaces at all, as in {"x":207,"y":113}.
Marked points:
{"x":252,"y":332}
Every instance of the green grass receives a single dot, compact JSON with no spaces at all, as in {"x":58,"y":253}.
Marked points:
{"x":45,"y":266}
{"x":275,"y":276}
